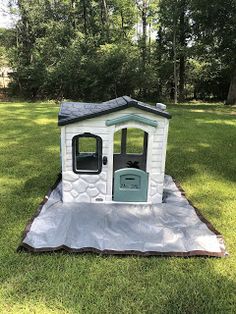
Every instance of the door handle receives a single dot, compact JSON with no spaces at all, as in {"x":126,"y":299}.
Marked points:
{"x":104,"y":160}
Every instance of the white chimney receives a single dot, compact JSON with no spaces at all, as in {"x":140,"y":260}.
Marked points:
{"x":160,"y":106}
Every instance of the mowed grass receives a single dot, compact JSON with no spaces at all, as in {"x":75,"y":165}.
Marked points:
{"x":201,"y":156}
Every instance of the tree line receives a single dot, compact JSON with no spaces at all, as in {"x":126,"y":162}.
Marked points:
{"x":98,"y":49}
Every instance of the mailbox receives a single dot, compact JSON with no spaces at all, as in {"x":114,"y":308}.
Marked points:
{"x":130,"y":185}
{"x":130,"y":182}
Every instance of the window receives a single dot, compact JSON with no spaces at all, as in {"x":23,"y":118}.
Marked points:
{"x":130,"y":149}
{"x":87,"y":153}
{"x":130,"y":141}
{"x":117,"y":142}
{"x":135,"y":141}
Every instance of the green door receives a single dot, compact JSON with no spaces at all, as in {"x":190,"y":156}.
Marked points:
{"x":130,"y":185}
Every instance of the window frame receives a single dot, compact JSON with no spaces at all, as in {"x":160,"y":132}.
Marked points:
{"x":98,"y":152}
{"x":123,"y":146}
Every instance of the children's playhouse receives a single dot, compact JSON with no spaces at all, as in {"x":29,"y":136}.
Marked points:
{"x":92,"y":171}
{"x":114,"y":196}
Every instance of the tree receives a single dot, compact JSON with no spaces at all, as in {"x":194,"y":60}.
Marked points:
{"x":87,"y":49}
{"x":184,"y":33}
{"x":6,"y":43}
{"x":59,"y":41}
{"x":214,"y":34}
{"x":147,"y":10}
{"x":231,"y":98}
{"x":175,"y":35}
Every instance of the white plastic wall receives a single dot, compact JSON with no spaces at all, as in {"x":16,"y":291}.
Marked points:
{"x":98,"y":187}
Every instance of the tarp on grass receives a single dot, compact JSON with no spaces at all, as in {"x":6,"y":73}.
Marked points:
{"x":173,"y":228}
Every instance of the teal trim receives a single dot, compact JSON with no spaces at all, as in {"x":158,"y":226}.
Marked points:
{"x":130,"y":185}
{"x":131,"y":117}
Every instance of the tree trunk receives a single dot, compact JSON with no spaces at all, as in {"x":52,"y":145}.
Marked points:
{"x":149,"y":42}
{"x":159,"y":60}
{"x":175,"y":68}
{"x":124,"y":35}
{"x":144,"y":39}
{"x":85,"y":17}
{"x":104,"y":17}
{"x":182,"y":78}
{"x":73,"y":14}
{"x":103,"y":12}
{"x":144,"y":43}
{"x":195,"y":94}
{"x":24,"y":37}
{"x":231,"y":99}
{"x":182,"y":59}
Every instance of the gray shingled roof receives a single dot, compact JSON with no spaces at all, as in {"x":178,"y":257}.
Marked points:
{"x":71,"y":112}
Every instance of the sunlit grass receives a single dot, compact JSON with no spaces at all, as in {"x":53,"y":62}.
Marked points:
{"x":135,"y":138}
{"x":134,"y":141}
{"x":201,"y":156}
{"x":117,"y":142}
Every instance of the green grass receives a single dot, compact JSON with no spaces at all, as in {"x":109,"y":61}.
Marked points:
{"x":201,"y":155}
{"x":134,"y":144}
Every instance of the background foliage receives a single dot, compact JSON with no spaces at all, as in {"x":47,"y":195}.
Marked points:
{"x":99,"y":49}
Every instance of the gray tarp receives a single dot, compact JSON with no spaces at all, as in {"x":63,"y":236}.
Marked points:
{"x":171,"y":228}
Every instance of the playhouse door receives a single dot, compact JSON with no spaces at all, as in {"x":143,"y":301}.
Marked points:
{"x":130,"y":185}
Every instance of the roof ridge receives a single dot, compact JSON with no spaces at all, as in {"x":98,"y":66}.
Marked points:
{"x":89,"y":110}
{"x":129,"y":99}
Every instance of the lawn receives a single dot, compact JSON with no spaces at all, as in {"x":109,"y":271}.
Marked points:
{"x":201,"y":156}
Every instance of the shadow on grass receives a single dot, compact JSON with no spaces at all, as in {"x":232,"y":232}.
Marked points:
{"x":30,"y":160}
{"x":95,"y":284}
